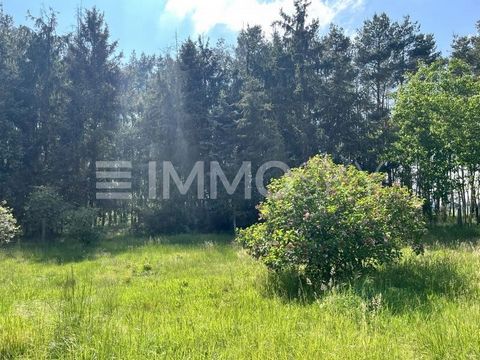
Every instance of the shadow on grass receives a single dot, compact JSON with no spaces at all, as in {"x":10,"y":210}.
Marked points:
{"x":63,"y":251}
{"x":412,"y":285}
{"x":289,"y":287}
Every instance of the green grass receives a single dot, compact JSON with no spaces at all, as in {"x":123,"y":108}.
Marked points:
{"x":202,"y":297}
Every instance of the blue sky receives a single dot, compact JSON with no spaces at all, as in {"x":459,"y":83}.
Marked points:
{"x":151,"y":25}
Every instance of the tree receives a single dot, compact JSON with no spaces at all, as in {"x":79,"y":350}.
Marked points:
{"x":341,"y":126}
{"x":252,"y":52}
{"x":201,"y":85}
{"x":294,"y":75}
{"x":11,"y":145}
{"x":42,"y":92}
{"x":87,"y":134}
{"x":385,"y":52}
{"x":258,"y":138}
{"x":44,"y":211}
{"x":375,"y":59}
{"x":411,"y":49}
{"x":436,"y":116}
{"x":467,"y":48}
{"x":33,"y":104}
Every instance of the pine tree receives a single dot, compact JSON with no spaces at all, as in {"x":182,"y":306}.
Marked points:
{"x":295,"y":70}
{"x":385,"y":52}
{"x":11,"y":144}
{"x":341,"y":126}
{"x":93,"y":74}
{"x":467,"y":48}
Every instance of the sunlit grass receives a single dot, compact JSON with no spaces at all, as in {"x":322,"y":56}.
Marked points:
{"x":202,"y":297}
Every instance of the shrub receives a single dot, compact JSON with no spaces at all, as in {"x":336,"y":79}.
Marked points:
{"x":329,"y":222}
{"x":164,"y":218}
{"x":44,"y":211}
{"x":8,"y":225}
{"x":80,"y":225}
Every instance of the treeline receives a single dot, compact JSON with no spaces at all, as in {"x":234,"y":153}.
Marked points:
{"x":69,"y":100}
{"x":437,"y":116}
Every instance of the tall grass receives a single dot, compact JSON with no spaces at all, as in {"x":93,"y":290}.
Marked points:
{"x":202,"y":297}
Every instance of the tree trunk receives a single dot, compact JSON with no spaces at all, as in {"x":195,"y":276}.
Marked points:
{"x":473,"y":198}
{"x":44,"y":230}
{"x":459,"y":216}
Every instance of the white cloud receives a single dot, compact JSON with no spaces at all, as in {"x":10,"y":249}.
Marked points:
{"x":237,"y":14}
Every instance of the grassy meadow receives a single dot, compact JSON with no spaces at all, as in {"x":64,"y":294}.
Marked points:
{"x":200,"y":296}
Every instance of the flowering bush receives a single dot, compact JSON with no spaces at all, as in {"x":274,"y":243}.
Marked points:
{"x":8,"y":225}
{"x":329,"y":222}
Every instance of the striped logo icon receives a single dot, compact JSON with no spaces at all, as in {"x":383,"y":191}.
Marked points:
{"x":113,"y":180}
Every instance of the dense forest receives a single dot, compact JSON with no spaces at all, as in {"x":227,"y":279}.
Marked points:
{"x":69,"y":100}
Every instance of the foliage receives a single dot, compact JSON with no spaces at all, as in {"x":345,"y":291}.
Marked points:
{"x":162,"y":219}
{"x":467,"y":48}
{"x":44,"y":211}
{"x":329,"y":222}
{"x":80,"y":225}
{"x":8,"y":224}
{"x":385,"y":52}
{"x":437,"y":130}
